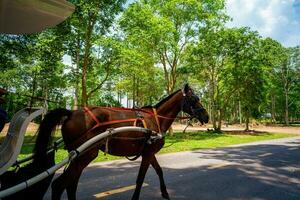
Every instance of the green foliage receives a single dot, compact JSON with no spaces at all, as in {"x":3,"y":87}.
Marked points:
{"x":36,"y":71}
{"x":163,"y":29}
{"x":146,"y":50}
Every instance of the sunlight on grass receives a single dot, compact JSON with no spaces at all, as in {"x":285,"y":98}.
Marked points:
{"x":202,"y":140}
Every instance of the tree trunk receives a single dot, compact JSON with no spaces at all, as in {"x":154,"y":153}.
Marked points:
{"x":133,"y":92}
{"x":220,"y":116}
{"x":46,"y":98}
{"x":32,"y":90}
{"x":273,"y":115}
{"x":76,"y":95}
{"x":240,"y":112}
{"x":127,"y":100}
{"x":209,"y":108}
{"x":166,"y":72}
{"x":84,"y":97}
{"x":286,"y":85}
{"x":119,"y":97}
{"x":83,"y":83}
{"x":286,"y":108}
{"x":213,"y":116}
{"x":171,"y":131}
{"x":138,"y":100}
{"x":45,"y":106}
{"x":247,"y":124}
{"x":213,"y":102}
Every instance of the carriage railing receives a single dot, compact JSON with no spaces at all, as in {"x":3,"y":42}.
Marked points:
{"x":73,"y":154}
{"x":12,"y":143}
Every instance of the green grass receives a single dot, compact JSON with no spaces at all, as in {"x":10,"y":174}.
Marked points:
{"x":178,"y":142}
{"x":204,"y":140}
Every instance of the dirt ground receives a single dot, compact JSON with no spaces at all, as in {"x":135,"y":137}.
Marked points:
{"x":237,"y":127}
{"x":32,"y":128}
{"x":180,"y":127}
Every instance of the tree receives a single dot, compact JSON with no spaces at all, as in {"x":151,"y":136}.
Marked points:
{"x":91,"y":21}
{"x":272,"y":54}
{"x":289,"y":73}
{"x":248,"y":72}
{"x":228,"y":61}
{"x":165,"y":28}
{"x":208,"y":58}
{"x":32,"y":70}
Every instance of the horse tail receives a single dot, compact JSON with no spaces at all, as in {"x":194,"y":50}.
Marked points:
{"x":51,"y":119}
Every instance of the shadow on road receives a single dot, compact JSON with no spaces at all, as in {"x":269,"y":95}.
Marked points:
{"x":258,"y":172}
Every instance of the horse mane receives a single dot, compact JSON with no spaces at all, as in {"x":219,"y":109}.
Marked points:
{"x":162,"y":101}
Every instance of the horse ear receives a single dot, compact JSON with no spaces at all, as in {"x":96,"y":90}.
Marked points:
{"x":185,"y":88}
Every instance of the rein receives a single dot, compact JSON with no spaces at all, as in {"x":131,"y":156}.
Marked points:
{"x":144,"y":111}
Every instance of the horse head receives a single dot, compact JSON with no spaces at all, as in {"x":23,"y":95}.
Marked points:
{"x":191,"y":104}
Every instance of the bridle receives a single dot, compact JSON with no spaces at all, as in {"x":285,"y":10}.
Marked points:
{"x":189,"y":102}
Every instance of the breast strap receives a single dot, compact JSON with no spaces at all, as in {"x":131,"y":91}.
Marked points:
{"x":156,"y":119}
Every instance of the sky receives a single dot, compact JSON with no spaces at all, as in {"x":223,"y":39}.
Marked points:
{"x":278,"y":19}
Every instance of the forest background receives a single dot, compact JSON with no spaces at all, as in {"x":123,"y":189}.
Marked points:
{"x":135,"y":53}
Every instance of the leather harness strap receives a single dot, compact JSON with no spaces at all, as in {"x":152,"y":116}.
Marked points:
{"x":143,"y":111}
{"x":91,"y":114}
{"x":156,"y":119}
{"x":134,"y":120}
{"x":142,"y":120}
{"x":99,"y":124}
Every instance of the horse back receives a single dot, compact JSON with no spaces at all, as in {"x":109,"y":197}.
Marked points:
{"x":81,"y":126}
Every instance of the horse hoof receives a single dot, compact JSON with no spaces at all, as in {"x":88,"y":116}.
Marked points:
{"x":165,"y":196}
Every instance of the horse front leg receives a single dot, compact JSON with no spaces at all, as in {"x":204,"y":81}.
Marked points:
{"x":159,"y":172}
{"x":141,"y":176}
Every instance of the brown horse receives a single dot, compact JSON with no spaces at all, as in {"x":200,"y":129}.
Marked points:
{"x":78,"y":126}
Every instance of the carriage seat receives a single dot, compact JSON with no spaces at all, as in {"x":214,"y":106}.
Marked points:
{"x":12,"y":144}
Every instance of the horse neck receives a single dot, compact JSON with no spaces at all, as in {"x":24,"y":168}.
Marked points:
{"x":169,"y":109}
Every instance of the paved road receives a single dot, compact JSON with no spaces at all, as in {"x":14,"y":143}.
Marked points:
{"x":262,"y":170}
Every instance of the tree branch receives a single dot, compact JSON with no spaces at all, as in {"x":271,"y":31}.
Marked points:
{"x":101,"y":83}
